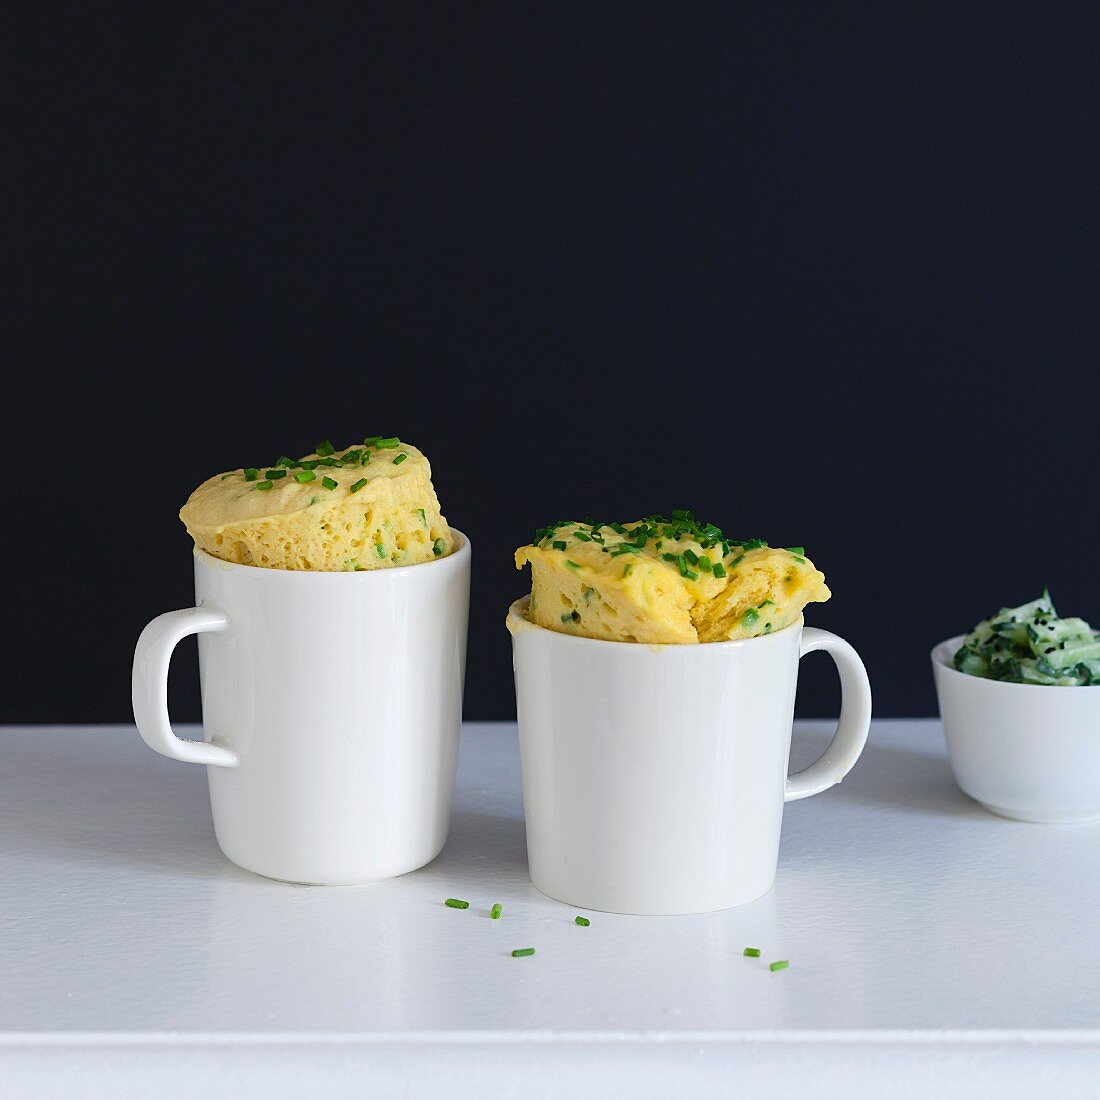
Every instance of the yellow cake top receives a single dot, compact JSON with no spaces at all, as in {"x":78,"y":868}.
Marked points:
{"x":665,"y":581}
{"x":369,"y":506}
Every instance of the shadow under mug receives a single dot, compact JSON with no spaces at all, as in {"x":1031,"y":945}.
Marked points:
{"x":654,"y":776}
{"x":332,"y":704}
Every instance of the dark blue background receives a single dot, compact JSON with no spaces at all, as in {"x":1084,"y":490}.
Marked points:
{"x":826,"y":274}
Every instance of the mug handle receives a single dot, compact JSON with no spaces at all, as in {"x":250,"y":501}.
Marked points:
{"x":853,"y":725}
{"x":149,"y":686}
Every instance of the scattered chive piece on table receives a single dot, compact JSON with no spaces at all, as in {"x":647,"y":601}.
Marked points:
{"x":263,"y":486}
{"x":584,"y":922}
{"x":782,"y":964}
{"x":251,"y":473}
{"x":359,"y":485}
{"x":521,"y":951}
{"x":494,"y":913}
{"x":456,"y":903}
{"x":400,"y":458}
{"x":303,"y":476}
{"x":752,"y":952}
{"x":324,"y":448}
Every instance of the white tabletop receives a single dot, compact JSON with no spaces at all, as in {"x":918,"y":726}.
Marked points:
{"x":930,"y":945}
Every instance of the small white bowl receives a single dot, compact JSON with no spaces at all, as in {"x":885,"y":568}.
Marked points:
{"x":1026,"y":751}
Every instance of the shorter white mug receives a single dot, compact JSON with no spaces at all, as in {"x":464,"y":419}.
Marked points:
{"x":332,"y":704}
{"x":654,"y":776}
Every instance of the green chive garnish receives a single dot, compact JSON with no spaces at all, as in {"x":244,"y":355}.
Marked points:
{"x":324,"y":448}
{"x":388,"y":443}
{"x":371,"y":440}
{"x":719,"y":569}
{"x":782,"y":964}
{"x":274,"y":475}
{"x":282,"y":460}
{"x":494,"y":913}
{"x":329,"y":483}
{"x":705,"y":564}
{"x":421,"y":513}
{"x":559,"y":545}
{"x":400,"y":458}
{"x":571,"y":564}
{"x":521,"y":951}
{"x":437,"y":548}
{"x":795,"y":549}
{"x":628,"y":568}
{"x":584,"y":922}
{"x":359,"y":485}
{"x":750,"y":617}
{"x":303,"y":476}
{"x":251,"y":473}
{"x":752,"y":952}
{"x":456,"y":903}
{"x":263,"y":486}
{"x":380,"y":550}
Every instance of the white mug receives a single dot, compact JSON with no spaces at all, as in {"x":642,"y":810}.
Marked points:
{"x":654,"y":776}
{"x":332,"y":704}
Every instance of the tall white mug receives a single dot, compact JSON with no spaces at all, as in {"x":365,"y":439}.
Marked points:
{"x":654,"y":776}
{"x":332,"y":704}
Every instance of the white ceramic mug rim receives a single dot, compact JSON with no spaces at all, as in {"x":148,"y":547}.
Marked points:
{"x":340,"y":576}
{"x":519,"y":606}
{"x":943,"y":652}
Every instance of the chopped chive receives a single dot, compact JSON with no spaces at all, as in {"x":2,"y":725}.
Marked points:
{"x":671,"y":557}
{"x":691,"y":556}
{"x":558,"y":545}
{"x":309,"y":464}
{"x":359,"y":485}
{"x":801,"y":561}
{"x":263,"y":486}
{"x":795,"y":549}
{"x":282,"y":460}
{"x":274,"y":475}
{"x":380,"y":550}
{"x":437,"y":548}
{"x":705,"y":564}
{"x":580,"y":536}
{"x":324,"y":448}
{"x":456,"y":903}
{"x":420,"y":511}
{"x":521,"y":951}
{"x":251,"y":473}
{"x":400,"y":458}
{"x":388,"y":443}
{"x":567,"y":616}
{"x":719,"y":569}
{"x":750,"y":617}
{"x":781,"y":964}
{"x":752,"y":952}
{"x":571,"y":564}
{"x":628,"y":568}
{"x":766,"y":603}
{"x":584,"y":922}
{"x":767,"y":627}
{"x":329,"y":483}
{"x":371,"y":440}
{"x":304,"y":476}
{"x":494,"y":913}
